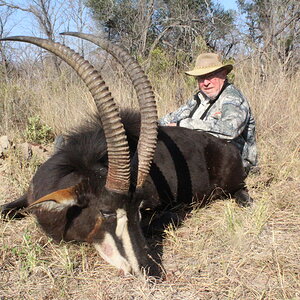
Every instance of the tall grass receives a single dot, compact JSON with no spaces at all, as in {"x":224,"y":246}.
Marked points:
{"x":220,"y":252}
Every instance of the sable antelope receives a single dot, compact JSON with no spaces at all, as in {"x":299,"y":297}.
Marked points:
{"x":98,"y":185}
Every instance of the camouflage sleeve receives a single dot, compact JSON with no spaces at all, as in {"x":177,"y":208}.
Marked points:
{"x":181,"y":113}
{"x":229,"y":125}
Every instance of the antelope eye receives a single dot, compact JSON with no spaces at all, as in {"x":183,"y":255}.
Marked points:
{"x":103,"y":171}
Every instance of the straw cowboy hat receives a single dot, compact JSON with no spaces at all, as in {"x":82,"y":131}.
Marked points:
{"x":207,"y":63}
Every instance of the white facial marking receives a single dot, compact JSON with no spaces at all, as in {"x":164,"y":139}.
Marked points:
{"x":123,"y":234}
{"x":121,"y":222}
{"x":109,"y":250}
{"x":140,"y":206}
{"x":110,"y":253}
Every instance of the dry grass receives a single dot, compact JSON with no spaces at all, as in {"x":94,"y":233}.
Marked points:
{"x":220,"y":252}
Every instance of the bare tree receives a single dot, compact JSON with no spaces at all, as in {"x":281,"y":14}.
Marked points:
{"x":173,"y":27}
{"x":5,"y":13}
{"x":77,"y":17}
{"x":274,"y":30}
{"x":145,"y":11}
{"x":47,"y":14}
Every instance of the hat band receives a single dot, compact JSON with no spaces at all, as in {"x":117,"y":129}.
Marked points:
{"x":209,"y":67}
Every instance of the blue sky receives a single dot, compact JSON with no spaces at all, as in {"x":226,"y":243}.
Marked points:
{"x":228,"y":4}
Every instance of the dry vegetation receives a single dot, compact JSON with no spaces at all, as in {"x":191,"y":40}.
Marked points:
{"x":220,"y":252}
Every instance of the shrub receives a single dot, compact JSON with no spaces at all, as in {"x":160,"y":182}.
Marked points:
{"x":37,"y":132}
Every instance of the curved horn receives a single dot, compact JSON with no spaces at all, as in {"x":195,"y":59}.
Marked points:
{"x":118,"y":178}
{"x":146,"y":98}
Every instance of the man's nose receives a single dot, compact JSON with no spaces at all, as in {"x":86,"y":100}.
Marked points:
{"x":206,"y":82}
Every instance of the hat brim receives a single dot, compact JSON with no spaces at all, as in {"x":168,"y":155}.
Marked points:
{"x":204,"y":71}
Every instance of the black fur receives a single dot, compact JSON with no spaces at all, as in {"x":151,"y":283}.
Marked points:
{"x":188,"y":166}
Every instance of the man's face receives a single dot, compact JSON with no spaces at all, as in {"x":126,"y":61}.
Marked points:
{"x":212,"y":83}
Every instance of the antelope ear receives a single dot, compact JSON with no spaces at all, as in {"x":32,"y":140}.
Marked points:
{"x":57,"y":200}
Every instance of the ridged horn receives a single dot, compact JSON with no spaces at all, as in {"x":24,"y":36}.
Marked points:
{"x":118,"y":178}
{"x":146,"y":98}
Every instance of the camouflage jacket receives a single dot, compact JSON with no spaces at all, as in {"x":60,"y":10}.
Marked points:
{"x":227,"y":117}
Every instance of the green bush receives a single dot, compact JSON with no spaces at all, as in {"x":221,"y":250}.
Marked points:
{"x":37,"y":132}
{"x":231,"y":75}
{"x":160,"y":61}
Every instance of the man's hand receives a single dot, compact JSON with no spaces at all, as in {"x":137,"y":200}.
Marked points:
{"x":172,"y":124}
